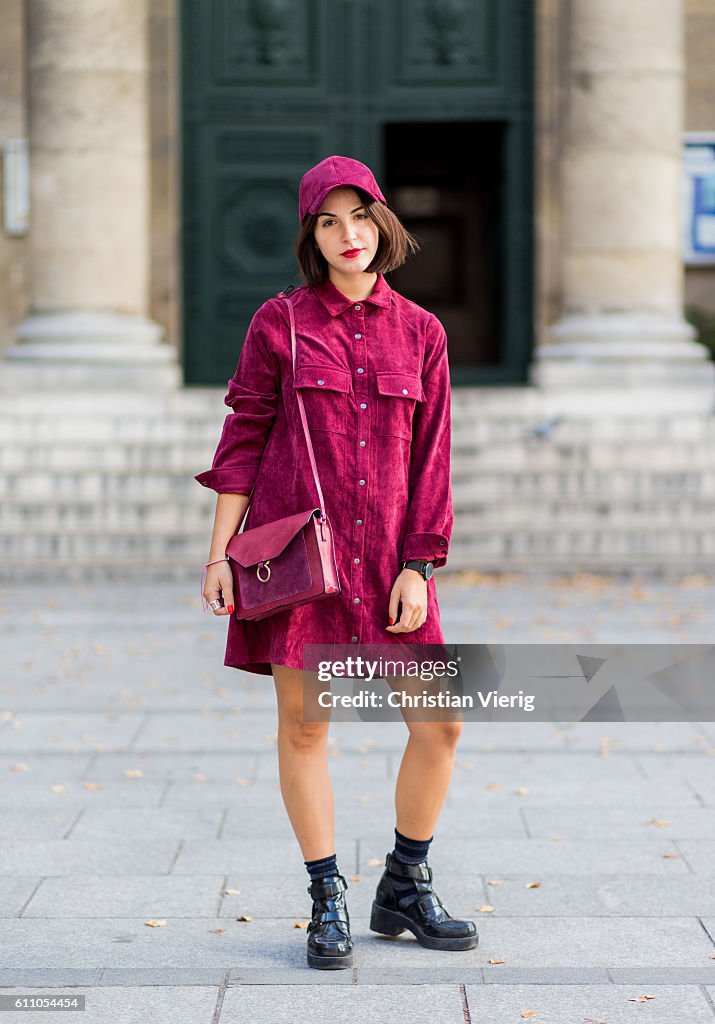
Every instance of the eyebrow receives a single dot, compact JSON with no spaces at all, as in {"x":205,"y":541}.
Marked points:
{"x":326,"y":214}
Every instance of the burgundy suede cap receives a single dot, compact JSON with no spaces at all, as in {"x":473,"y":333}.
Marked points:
{"x":331,"y":173}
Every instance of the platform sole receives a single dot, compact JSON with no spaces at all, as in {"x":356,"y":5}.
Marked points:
{"x":392,"y":922}
{"x":329,"y":963}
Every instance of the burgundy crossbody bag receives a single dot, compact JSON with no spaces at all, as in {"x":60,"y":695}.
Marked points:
{"x":290,"y":561}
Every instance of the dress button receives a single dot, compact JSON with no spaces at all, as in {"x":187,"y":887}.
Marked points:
{"x":363,"y":443}
{"x":363,"y":405}
{"x":361,"y":482}
{"x":358,"y":306}
{"x":360,"y":369}
{"x":356,"y":561}
{"x":442,"y":543}
{"x":354,"y":639}
{"x":356,"y":600}
{"x":358,"y":336}
{"x":321,"y":382}
{"x":404,"y":391}
{"x":358,"y":522}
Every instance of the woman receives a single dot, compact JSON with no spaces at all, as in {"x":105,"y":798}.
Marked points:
{"x":374,"y":375}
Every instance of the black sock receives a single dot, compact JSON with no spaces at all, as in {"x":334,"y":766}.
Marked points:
{"x":409,"y":851}
{"x":322,"y":866}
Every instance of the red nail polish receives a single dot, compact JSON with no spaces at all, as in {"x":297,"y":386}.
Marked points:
{"x":230,"y":609}
{"x":391,"y":622}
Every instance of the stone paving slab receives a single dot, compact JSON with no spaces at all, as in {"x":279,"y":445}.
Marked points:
{"x":72,"y":856}
{"x":597,"y":895}
{"x":167,"y":765}
{"x":349,"y":1004}
{"x":582,"y":820}
{"x":146,"y":896}
{"x":45,"y":768}
{"x":566,"y":942}
{"x":75,"y":794}
{"x":557,"y":1004}
{"x":15,"y":892}
{"x":126,"y":1005}
{"x":38,"y":731}
{"x":166,"y":822}
{"x":37,"y":822}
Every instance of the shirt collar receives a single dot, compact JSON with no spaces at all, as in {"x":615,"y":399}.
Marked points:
{"x":335,"y":302}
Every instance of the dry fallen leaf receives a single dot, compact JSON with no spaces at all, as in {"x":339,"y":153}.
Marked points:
{"x":156,"y":924}
{"x":133,"y":773}
{"x":374,"y":862}
{"x":521,"y":791}
{"x":495,"y":881}
{"x":92,"y":785}
{"x":58,"y":789}
{"x":657,"y":821}
{"x":243,"y":782}
{"x":669,"y":856}
{"x":493,"y":785}
{"x":301,"y":924}
{"x":496,"y":960}
{"x":486,"y":908}
{"x":199,"y":777}
{"x":641,"y":999}
{"x":533,"y":885}
{"x":215,"y":931}
{"x":244,"y":917}
{"x":355,"y":878}
{"x":232,"y":892}
{"x":19,"y":766}
{"x":529,"y":1013}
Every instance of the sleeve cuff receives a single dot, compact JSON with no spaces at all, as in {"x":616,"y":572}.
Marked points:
{"x":430,"y":547}
{"x":228,"y":481}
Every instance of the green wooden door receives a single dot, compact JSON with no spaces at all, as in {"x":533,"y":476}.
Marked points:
{"x":435,"y":95}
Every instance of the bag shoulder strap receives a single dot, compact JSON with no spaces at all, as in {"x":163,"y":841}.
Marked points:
{"x":301,"y":407}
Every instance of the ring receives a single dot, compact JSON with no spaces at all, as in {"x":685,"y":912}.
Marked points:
{"x":214,"y":604}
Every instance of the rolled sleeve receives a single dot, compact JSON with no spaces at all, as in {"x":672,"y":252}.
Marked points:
{"x":430,"y":515}
{"x":253,"y":396}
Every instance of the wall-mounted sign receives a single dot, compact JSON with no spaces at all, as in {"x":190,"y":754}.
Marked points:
{"x":699,"y":198}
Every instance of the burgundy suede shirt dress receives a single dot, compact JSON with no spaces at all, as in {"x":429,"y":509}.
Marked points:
{"x":374,"y":376}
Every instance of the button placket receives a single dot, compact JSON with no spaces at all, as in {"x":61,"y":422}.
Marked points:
{"x":362,"y":465}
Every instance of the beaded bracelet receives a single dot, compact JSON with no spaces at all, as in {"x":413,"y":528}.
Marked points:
{"x":201,"y":583}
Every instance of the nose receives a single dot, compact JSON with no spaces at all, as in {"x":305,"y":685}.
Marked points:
{"x":349,"y":234}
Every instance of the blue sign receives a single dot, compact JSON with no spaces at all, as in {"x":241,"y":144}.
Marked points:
{"x":699,"y":198}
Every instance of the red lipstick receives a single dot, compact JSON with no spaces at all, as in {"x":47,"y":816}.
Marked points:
{"x":350,"y":254}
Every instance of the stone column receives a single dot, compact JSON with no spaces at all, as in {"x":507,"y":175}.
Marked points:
{"x":90,"y":221}
{"x":621,"y":327}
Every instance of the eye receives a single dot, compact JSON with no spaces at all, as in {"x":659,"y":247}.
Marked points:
{"x":361,"y":216}
{"x":327,"y":222}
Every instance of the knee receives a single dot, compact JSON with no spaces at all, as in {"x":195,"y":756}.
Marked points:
{"x":444,"y":734}
{"x":303,"y":735}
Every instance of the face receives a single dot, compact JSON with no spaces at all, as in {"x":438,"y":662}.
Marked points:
{"x":344,"y":233}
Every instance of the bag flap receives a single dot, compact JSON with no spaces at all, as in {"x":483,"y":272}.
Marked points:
{"x":262,"y":542}
{"x":330,"y":378}
{"x":400,"y":385}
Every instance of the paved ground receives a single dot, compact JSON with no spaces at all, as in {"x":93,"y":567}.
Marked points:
{"x":140,"y":785}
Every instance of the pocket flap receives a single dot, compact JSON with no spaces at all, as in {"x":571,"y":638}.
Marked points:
{"x":329,"y":378}
{"x":267,"y":541}
{"x":400,"y":385}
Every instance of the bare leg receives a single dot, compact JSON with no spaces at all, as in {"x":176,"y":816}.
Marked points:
{"x":425,"y":773}
{"x":427,"y":763}
{"x":303,"y":767}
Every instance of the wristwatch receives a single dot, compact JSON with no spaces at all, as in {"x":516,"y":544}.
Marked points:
{"x":425,"y":569}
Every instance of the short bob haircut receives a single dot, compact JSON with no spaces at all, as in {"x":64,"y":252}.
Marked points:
{"x":394,"y":246}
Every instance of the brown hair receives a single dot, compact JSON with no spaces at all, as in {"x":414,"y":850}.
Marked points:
{"x":394,"y":246}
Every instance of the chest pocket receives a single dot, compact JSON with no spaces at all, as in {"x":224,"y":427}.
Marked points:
{"x":397,"y":396}
{"x":325,"y":392}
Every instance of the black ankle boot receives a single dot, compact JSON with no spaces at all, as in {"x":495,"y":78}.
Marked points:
{"x":330,"y":946}
{"x":421,"y":912}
